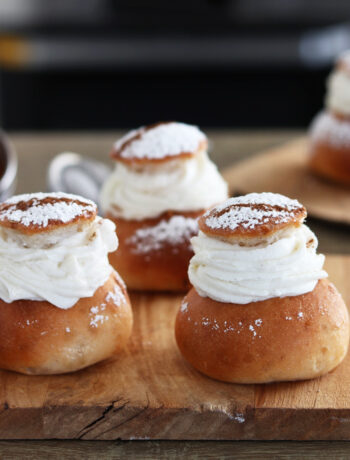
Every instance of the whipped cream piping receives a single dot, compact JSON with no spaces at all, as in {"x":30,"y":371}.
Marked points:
{"x":338,"y":91}
{"x":73,"y":268}
{"x":160,"y":141}
{"x":232,"y":273}
{"x":184,"y":184}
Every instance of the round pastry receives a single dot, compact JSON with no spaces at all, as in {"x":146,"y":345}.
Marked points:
{"x":261,"y":309}
{"x":330,"y":131}
{"x":163,"y":181}
{"x":62,"y":305}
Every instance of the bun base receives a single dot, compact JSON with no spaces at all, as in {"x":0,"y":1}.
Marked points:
{"x":39,"y":338}
{"x":278,"y":339}
{"x":162,"y":269}
{"x":328,"y":161}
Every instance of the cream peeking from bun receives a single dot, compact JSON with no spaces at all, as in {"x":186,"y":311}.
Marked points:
{"x":53,"y":248}
{"x":160,"y":168}
{"x":60,"y":299}
{"x":254,"y":248}
{"x":261,"y":308}
{"x":330,"y":130}
{"x":338,"y":86}
{"x":163,"y":180}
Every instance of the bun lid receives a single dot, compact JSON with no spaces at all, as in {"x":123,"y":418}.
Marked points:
{"x":45,"y":212}
{"x":159,"y":142}
{"x":256,"y":215}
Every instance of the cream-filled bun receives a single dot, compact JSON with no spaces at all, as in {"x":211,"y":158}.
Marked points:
{"x":261,"y":308}
{"x":62,"y":305}
{"x":330,"y":131}
{"x":162,"y":182}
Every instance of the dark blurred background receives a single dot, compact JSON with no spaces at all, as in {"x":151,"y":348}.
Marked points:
{"x":100,"y":64}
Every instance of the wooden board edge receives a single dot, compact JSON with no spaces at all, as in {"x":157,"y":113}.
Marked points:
{"x":131,"y":423}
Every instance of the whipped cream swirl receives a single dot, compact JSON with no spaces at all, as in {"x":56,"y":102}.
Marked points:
{"x":232,"y":273}
{"x":338,"y":95}
{"x":62,"y":273}
{"x":183,"y":184}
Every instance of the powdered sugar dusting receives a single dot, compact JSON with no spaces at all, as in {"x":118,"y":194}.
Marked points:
{"x":116,"y":296}
{"x":184,"y":306}
{"x":160,"y":141}
{"x":326,"y":127}
{"x":233,"y":327}
{"x":251,"y":210}
{"x":176,"y":230}
{"x":251,"y":328}
{"x":39,"y":209}
{"x":239,"y":417}
{"x":133,"y":133}
{"x":236,"y":416}
{"x":97,"y":316}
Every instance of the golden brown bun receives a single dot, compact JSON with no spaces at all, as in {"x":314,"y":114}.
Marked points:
{"x":291,"y":338}
{"x":137,"y":134}
{"x":39,"y":338}
{"x":329,"y":155}
{"x":162,"y":269}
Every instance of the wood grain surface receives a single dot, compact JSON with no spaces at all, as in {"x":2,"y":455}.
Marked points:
{"x":149,"y":392}
{"x":284,"y":170}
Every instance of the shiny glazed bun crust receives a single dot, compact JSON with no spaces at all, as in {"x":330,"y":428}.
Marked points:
{"x":39,"y":338}
{"x":151,"y":256}
{"x":278,"y":339}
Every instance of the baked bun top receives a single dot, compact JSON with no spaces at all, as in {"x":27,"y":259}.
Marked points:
{"x":252,"y":216}
{"x":45,"y":212}
{"x":159,"y":142}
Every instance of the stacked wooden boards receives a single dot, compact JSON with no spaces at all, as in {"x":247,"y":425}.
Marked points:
{"x":149,"y":392}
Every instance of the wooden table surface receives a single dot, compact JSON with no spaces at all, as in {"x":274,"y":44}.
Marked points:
{"x":35,"y":151}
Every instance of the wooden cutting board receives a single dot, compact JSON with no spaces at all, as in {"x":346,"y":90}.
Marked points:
{"x":149,"y":392}
{"x":284,"y":170}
